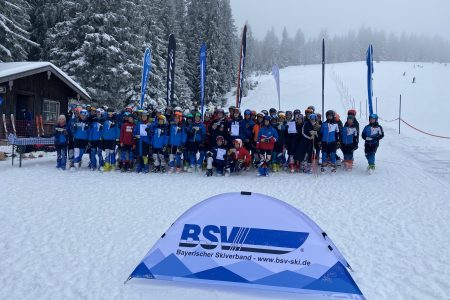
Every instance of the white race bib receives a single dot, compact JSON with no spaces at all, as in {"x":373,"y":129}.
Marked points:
{"x":220,"y":154}
{"x":235,"y":129}
{"x":142,"y":131}
{"x":292,"y":128}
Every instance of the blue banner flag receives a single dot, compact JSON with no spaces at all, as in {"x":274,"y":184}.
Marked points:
{"x":146,"y":69}
{"x":369,"y":61}
{"x":276,"y":76}
{"x":202,"y":76}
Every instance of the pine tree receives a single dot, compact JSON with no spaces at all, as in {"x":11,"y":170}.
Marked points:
{"x":99,"y":47}
{"x":15,"y":43}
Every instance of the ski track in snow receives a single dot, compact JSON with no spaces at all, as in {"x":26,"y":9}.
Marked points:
{"x":79,"y":235}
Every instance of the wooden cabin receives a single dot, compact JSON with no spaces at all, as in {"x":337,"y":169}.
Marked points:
{"x":29,"y":90}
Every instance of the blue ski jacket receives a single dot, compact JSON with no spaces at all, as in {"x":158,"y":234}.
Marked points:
{"x":177,"y":135}
{"x":247,"y":129}
{"x":197,"y":132}
{"x":111,"y":130}
{"x":160,"y":137}
{"x":81,"y":130}
{"x":137,"y":132}
{"x":349,"y":135}
{"x":95,"y":132}
{"x":61,"y":133}
{"x":329,"y":132}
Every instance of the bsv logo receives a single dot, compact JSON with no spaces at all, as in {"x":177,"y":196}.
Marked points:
{"x":241,"y":239}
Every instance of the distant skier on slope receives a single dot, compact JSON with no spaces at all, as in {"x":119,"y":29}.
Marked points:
{"x":372,"y":134}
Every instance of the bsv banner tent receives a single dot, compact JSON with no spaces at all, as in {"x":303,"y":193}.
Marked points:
{"x":251,"y":240}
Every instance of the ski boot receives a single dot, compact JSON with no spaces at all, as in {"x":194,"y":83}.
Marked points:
{"x":191,"y":169}
{"x":333,"y":169}
{"x":107,"y":167}
{"x":371,"y":169}
{"x":292,"y":168}
{"x":139,"y":168}
{"x":209,"y":173}
{"x":179,"y":170}
{"x":163,"y":169}
{"x":227,"y":172}
{"x":146,"y":169}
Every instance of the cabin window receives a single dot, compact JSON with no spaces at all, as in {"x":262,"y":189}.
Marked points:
{"x":50,"y":112}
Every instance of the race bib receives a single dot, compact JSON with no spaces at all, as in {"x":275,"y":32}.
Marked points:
{"x":220,"y":154}
{"x":142,"y":131}
{"x":235,"y":129}
{"x":292,"y":128}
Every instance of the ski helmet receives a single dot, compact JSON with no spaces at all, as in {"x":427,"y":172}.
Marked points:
{"x":311,"y":107}
{"x":351,"y":112}
{"x":272,"y":111}
{"x":219,"y":138}
{"x":297,"y":112}
{"x":84,"y":112}
{"x":239,"y":142}
{"x":281,"y":115}
{"x":162,"y":118}
{"x":247,"y":112}
{"x":373,"y":116}
{"x":267,"y":118}
{"x":330,"y":113}
{"x":309,"y":111}
{"x":313,"y":117}
{"x":265,"y":112}
{"x":177,"y":109}
{"x":198,"y":114}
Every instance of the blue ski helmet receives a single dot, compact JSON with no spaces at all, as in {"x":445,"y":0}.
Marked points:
{"x":373,"y":116}
{"x":313,"y":117}
{"x":267,"y":118}
{"x":84,"y":112}
{"x":247,"y":112}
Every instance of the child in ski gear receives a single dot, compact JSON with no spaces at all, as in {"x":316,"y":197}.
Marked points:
{"x":218,"y":156}
{"x":95,"y":135}
{"x":143,"y":140}
{"x":127,"y":142}
{"x":246,"y":126}
{"x":306,"y":143}
{"x":110,"y":135}
{"x":234,"y":126}
{"x":196,"y":143}
{"x":349,"y":138}
{"x":372,"y":134}
{"x":177,"y":141}
{"x":160,"y":140}
{"x":278,"y":158}
{"x":295,"y":160}
{"x":267,"y":136}
{"x":238,"y":157}
{"x":81,"y":136}
{"x":329,"y":137}
{"x":61,"y":140}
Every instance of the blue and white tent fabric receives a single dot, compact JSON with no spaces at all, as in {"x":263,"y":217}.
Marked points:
{"x":250,"y":240}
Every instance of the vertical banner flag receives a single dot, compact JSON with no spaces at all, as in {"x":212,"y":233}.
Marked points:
{"x":241,"y":68}
{"x":323,"y":79}
{"x":369,"y":61}
{"x":171,"y":69}
{"x":276,"y":76}
{"x":146,"y":69}
{"x":202,"y":76}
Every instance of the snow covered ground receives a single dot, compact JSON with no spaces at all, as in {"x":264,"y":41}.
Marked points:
{"x":79,"y":235}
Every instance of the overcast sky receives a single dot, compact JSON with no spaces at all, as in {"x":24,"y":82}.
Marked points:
{"x":431,"y":17}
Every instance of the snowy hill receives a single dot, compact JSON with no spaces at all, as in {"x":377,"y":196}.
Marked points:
{"x":79,"y":235}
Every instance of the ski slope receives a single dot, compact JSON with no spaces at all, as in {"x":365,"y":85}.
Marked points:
{"x":78,"y":235}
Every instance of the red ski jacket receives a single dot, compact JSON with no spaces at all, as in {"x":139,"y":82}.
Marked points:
{"x":126,"y":134}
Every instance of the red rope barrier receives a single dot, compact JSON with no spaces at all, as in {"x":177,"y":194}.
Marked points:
{"x":417,"y":129}
{"x":430,"y":134}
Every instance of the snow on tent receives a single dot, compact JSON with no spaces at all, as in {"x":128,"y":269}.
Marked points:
{"x":249,"y":240}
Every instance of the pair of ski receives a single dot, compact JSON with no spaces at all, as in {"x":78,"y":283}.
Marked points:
{"x":13,"y":123}
{"x":39,"y":126}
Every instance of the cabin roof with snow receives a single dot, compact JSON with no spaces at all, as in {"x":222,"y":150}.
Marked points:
{"x":14,"y":70}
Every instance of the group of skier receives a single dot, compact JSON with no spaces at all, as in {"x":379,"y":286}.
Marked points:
{"x":220,"y":142}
